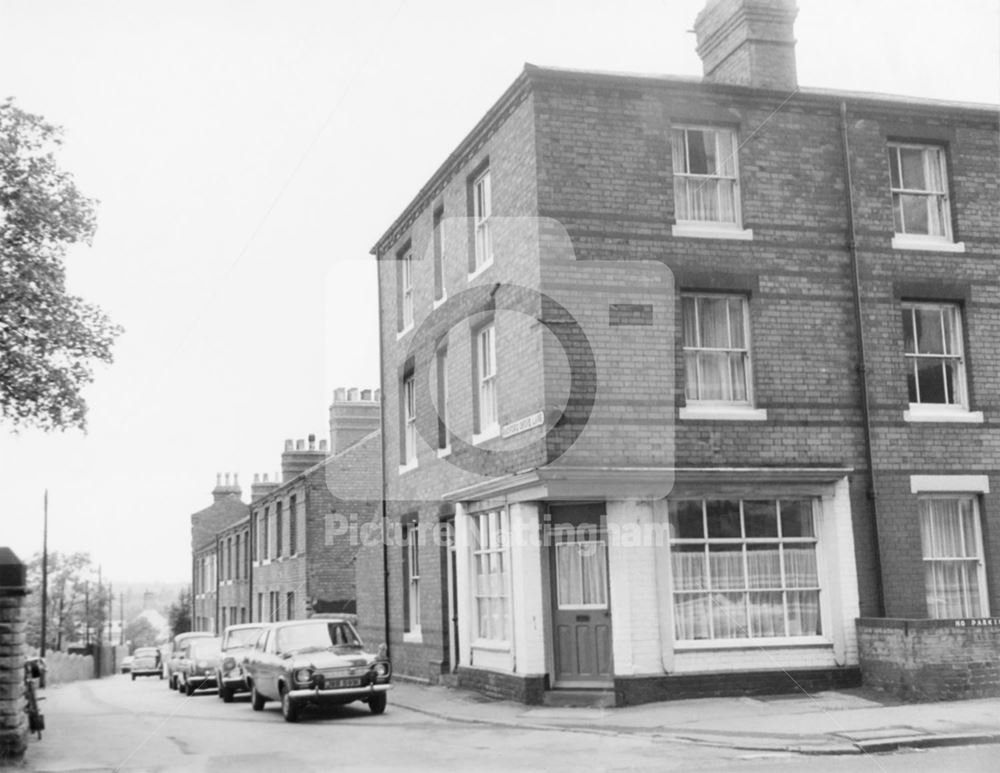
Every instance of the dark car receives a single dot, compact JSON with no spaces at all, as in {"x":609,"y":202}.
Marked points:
{"x":237,"y":641}
{"x":197,"y":664}
{"x":146,"y":662}
{"x":175,"y":652}
{"x":316,"y":662}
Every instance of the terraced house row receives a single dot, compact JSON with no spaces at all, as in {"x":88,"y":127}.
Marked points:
{"x":689,"y":387}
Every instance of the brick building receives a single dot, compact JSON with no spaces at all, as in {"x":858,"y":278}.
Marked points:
{"x":226,"y":510}
{"x":683,"y":376}
{"x":302,"y":559}
{"x":291,"y":552}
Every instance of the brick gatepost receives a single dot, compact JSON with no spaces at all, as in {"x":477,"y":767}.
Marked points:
{"x":13,"y":719}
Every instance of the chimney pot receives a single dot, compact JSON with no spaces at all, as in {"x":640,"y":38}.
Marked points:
{"x":322,"y":445}
{"x":256,"y":477}
{"x":352,"y":394}
{"x":218,"y":479}
{"x":312,"y":442}
{"x":378,"y":395}
{"x":289,"y":445}
{"x":300,"y":445}
{"x":236,"y":479}
{"x":366,"y":395}
{"x":339,"y":395}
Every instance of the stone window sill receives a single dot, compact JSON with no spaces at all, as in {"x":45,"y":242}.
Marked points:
{"x":722,"y":413}
{"x":929,"y":243}
{"x":922,"y":414}
{"x":711,"y":231}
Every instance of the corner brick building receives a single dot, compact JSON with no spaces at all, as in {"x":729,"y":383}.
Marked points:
{"x":682,"y":377}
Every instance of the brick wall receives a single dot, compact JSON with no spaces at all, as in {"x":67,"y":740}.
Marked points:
{"x":494,"y":684}
{"x":929,"y":660}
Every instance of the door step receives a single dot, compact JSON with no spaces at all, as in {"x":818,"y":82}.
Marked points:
{"x":591,"y":699}
{"x":449,"y":680}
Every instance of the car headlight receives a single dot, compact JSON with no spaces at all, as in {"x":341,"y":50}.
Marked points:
{"x":302,"y":675}
{"x":381,"y":669}
{"x":202,"y":664}
{"x":228,"y":664}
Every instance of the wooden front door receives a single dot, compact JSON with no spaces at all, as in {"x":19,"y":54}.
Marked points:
{"x":582,"y":612}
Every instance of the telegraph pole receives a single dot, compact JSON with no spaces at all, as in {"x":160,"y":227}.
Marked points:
{"x":45,"y":572}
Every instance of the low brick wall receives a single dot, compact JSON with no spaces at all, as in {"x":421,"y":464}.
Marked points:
{"x":931,"y":660}
{"x":634,"y":690}
{"x":494,"y":684}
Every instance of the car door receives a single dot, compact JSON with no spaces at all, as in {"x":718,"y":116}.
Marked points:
{"x":268,"y":665}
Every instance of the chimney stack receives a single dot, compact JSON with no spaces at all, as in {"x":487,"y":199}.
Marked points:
{"x":261,"y":486}
{"x":354,"y":413}
{"x":748,"y":43}
{"x":228,"y":488}
{"x":299,"y":456}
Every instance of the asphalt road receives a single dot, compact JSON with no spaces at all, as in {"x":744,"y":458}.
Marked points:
{"x":116,"y":724}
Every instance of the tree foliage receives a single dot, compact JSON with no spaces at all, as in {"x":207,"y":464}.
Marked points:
{"x":180,"y":614}
{"x":48,"y":338}
{"x":141,"y":633}
{"x":76,"y":602}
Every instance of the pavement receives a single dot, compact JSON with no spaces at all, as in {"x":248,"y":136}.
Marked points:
{"x":857,"y":721}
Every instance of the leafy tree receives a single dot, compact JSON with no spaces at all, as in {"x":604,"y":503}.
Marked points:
{"x":180,"y":614}
{"x":74,"y":599}
{"x":141,"y":633}
{"x":48,"y":338}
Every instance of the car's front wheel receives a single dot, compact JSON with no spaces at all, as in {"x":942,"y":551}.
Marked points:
{"x":188,"y":688}
{"x":378,"y":702}
{"x":226,"y":693}
{"x":256,"y":699}
{"x":133,"y":677}
{"x":289,"y":707}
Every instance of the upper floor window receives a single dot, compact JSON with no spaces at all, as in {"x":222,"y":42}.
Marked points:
{"x":716,"y":349}
{"x":919,"y":183}
{"x":706,"y":188}
{"x":293,"y":526}
{"x":482,"y":209}
{"x":439,"y":285}
{"x":486,"y":380}
{"x":408,"y":450}
{"x":404,"y":276}
{"x":442,"y":397}
{"x":954,"y":570}
{"x":279,"y":529}
{"x":935,"y":366}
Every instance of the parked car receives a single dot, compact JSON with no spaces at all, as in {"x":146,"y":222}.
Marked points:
{"x":315,"y":662}
{"x":126,"y":664}
{"x":146,"y":662}
{"x":175,"y":652}
{"x":197,"y":664}
{"x":237,"y":641}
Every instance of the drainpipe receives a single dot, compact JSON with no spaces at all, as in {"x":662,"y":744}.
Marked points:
{"x":382,"y":465}
{"x":862,"y":369}
{"x":218,"y":585}
{"x":251,"y":552}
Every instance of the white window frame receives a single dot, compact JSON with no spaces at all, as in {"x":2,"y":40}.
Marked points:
{"x":684,"y":179}
{"x":978,"y":557}
{"x":958,"y":409}
{"x":408,"y":438}
{"x":696,"y":408}
{"x":406,"y":291}
{"x":487,"y":402}
{"x":440,"y":288}
{"x":822,"y":581}
{"x":934,"y":164}
{"x":482,"y":212}
{"x":492,"y":550}
{"x":413,"y":583}
{"x":441,"y":367}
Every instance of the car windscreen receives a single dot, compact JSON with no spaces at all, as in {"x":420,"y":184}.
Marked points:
{"x":243,"y":637}
{"x":206,"y":649}
{"x":145,"y":652}
{"x":319,"y":635}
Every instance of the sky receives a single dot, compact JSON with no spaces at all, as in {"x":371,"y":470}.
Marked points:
{"x":247,"y":155}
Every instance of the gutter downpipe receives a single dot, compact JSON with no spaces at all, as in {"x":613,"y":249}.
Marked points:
{"x":251,"y":552}
{"x":862,"y":359}
{"x":382,"y":465}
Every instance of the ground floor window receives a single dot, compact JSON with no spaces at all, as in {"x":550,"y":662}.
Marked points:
{"x":954,"y":571}
{"x":490,"y":567}
{"x":744,"y":569}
